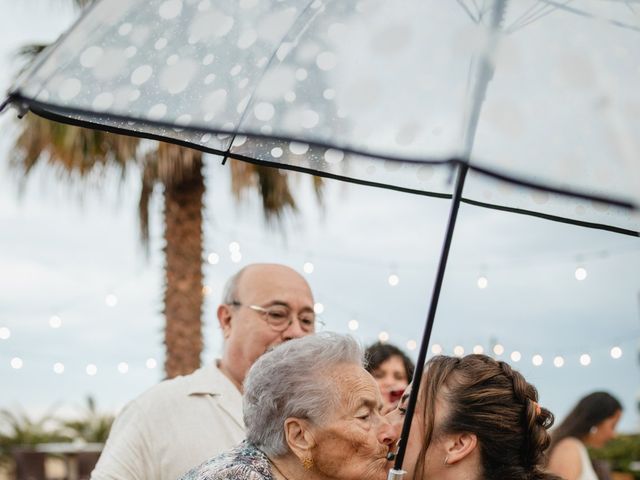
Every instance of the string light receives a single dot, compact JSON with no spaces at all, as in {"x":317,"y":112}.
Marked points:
{"x":213,"y":258}
{"x":558,"y":361}
{"x":234,"y":247}
{"x":498,"y":349}
{"x":5,"y":333}
{"x":123,"y":367}
{"x":58,"y":368}
{"x":353,"y":325}
{"x":308,"y":267}
{"x":383,"y":336}
{"x":91,"y":369}
{"x":16,"y":363}
{"x":206,"y":290}
{"x":236,"y":257}
{"x":585,"y":359}
{"x":581,"y":273}
{"x":151,"y":363}
{"x":412,"y":345}
{"x":482,"y":282}
{"x":436,"y":349}
{"x":537,"y":360}
{"x":616,"y":352}
{"x":516,"y":356}
{"x":458,"y":350}
{"x":393,"y":280}
{"x":478,"y":349}
{"x":55,"y":321}
{"x":318,"y":308}
{"x":111,"y":300}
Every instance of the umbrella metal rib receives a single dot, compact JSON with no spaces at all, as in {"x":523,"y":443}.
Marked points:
{"x":435,"y":295}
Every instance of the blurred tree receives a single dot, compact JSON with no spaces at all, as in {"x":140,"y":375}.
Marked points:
{"x":622,"y":454}
{"x":17,"y":429}
{"x":91,"y":426}
{"x":75,"y":152}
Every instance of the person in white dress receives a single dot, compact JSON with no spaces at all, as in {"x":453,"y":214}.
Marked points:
{"x":591,"y":423}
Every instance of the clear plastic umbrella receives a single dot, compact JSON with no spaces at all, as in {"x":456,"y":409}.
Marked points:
{"x":411,"y":96}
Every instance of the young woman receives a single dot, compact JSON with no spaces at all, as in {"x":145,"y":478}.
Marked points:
{"x":591,"y":423}
{"x":476,"y":419}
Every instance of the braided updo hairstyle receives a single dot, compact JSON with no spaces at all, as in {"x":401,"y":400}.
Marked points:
{"x":488,"y":398}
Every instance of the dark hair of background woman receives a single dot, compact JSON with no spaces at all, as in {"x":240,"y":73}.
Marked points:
{"x":378,"y":353}
{"x":589,"y":412}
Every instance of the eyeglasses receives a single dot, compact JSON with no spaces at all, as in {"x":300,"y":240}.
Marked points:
{"x":280,"y":317}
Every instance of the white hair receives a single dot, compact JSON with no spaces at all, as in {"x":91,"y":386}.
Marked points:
{"x":292,"y":380}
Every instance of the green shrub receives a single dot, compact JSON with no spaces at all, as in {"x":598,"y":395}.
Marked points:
{"x":620,"y":453}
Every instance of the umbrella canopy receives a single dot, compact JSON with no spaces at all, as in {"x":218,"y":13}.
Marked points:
{"x":533,"y":92}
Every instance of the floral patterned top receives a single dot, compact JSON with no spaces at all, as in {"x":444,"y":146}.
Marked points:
{"x":244,"y":462}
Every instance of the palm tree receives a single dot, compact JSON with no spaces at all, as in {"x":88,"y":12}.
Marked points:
{"x":77,"y":152}
{"x":18,"y":429}
{"x":92,"y":426}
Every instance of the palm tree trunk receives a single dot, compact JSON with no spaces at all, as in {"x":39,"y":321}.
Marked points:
{"x":183,"y":268}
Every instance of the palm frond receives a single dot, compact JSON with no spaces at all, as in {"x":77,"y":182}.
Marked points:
{"x":30,"y":51}
{"x":70,"y":150}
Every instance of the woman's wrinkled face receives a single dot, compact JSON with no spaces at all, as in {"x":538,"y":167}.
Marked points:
{"x":354,"y":442}
{"x":391,"y":377}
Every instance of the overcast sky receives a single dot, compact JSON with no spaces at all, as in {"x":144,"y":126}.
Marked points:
{"x":64,"y":250}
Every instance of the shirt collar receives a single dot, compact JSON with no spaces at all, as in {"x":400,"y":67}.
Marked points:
{"x":209,"y":380}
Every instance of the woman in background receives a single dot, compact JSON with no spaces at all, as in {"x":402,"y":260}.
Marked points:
{"x":392,"y":370}
{"x":591,"y":423}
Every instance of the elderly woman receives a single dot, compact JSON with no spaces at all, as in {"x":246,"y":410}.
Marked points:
{"x":311,"y":411}
{"x":476,"y":419}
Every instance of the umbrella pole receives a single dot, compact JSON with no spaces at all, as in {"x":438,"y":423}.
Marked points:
{"x":396,"y":472}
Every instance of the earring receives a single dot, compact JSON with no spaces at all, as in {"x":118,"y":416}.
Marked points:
{"x":307,"y":463}
{"x":446,"y":461}
{"x":593,"y":430}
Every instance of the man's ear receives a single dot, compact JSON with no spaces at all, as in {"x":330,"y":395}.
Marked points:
{"x":224,"y":318}
{"x":299,"y":437}
{"x":459,"y":446}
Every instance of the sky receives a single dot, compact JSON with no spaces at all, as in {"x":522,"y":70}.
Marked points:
{"x":70,"y":257}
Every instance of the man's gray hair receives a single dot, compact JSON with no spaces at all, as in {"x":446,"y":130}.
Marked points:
{"x":230,"y":292}
{"x":292,"y":380}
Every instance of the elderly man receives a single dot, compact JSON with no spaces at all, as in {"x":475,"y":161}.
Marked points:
{"x":182,"y":422}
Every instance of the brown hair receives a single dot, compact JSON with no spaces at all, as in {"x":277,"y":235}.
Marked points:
{"x":589,"y":412}
{"x":378,"y":353}
{"x":488,"y":398}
